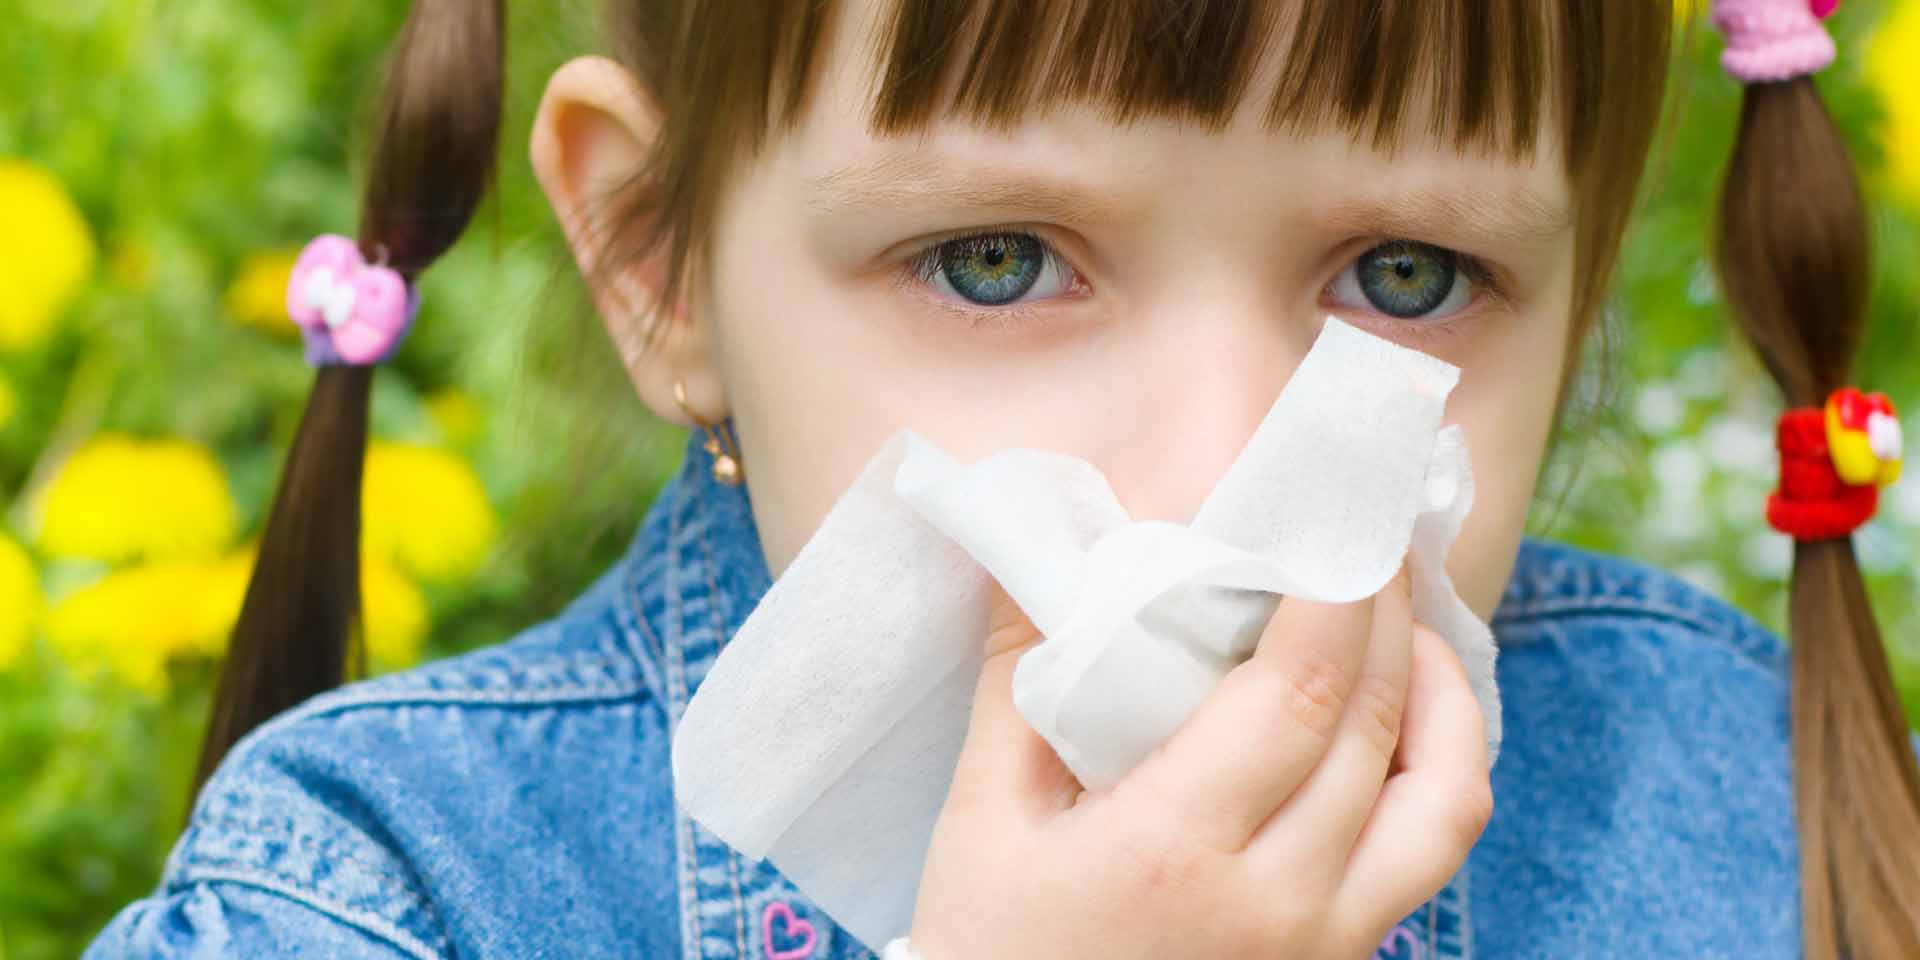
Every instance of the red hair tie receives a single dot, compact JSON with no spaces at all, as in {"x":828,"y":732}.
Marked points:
{"x":1833,"y":462}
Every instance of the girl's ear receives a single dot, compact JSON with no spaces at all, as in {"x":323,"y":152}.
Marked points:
{"x":592,"y":137}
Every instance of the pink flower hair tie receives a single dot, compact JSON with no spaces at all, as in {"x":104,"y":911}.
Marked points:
{"x":1773,"y":40}
{"x":350,"y":312}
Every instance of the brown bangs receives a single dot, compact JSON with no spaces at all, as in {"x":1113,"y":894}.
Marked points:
{"x":1356,"y":65}
{"x":1493,"y":74}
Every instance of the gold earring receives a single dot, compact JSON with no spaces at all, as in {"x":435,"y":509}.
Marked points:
{"x":726,"y":460}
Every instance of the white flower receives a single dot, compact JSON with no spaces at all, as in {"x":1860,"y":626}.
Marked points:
{"x":1679,"y":472}
{"x":1767,"y":555}
{"x":1660,"y":408}
{"x":1739,"y":445}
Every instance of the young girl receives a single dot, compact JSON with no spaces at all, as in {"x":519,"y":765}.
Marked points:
{"x":1112,"y":230}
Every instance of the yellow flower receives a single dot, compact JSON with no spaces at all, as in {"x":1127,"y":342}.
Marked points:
{"x":19,"y":600}
{"x":394,"y":614}
{"x":121,"y":498}
{"x":1890,"y":56}
{"x":46,"y":253}
{"x":425,"y":510}
{"x":7,"y":402}
{"x":258,"y":296}
{"x":129,"y":623}
{"x":457,"y":415}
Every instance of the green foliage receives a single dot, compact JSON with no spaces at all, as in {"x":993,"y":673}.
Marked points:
{"x":192,"y":134}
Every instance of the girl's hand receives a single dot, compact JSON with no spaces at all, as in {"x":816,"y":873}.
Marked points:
{"x":1290,"y":816}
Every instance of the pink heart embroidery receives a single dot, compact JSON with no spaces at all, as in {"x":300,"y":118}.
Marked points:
{"x":791,"y":926}
{"x":1397,"y":938}
{"x":359,"y":310}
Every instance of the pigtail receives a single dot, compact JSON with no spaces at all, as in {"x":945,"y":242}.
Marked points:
{"x":1791,"y":249}
{"x":433,"y":157}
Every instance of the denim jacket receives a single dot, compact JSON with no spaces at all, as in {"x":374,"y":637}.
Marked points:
{"x":516,"y":801}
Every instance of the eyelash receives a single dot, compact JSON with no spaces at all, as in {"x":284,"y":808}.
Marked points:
{"x":927,"y":264}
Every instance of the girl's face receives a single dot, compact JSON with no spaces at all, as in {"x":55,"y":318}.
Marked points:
{"x":1136,"y":296}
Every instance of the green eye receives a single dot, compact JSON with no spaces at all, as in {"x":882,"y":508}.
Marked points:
{"x":1409,"y":280}
{"x":994,"y":269}
{"x":1406,"y":279}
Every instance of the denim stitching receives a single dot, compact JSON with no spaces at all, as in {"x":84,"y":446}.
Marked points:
{"x":487,"y":668}
{"x":1608,"y":581}
{"x":1466,"y":913}
{"x":714,"y":599}
{"x":691,"y":933}
{"x":1738,"y":630}
{"x":335,"y":701}
{"x":634,"y":629}
{"x":1450,"y":901}
{"x":688,"y":640}
{"x":690,"y":537}
{"x":645,"y":560}
{"x":1539,"y":610}
{"x":689,"y":916}
{"x":371,"y":924}
{"x":321,"y":711}
{"x":1433,"y":928}
{"x":648,"y":634}
{"x":739,"y":906}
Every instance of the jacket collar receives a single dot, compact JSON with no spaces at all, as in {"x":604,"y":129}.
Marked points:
{"x":691,"y":574}
{"x":687,"y":583}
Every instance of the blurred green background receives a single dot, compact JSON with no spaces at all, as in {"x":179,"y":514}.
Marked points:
{"x":160,"y":164}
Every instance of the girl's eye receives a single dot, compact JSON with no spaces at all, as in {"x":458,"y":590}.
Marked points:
{"x":1408,"y":280}
{"x":994,"y":269}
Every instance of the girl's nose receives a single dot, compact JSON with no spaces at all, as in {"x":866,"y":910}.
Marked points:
{"x":1200,"y":403}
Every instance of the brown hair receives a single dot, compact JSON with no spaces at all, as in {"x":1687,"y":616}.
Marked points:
{"x":1791,"y":250}
{"x":432,"y":161}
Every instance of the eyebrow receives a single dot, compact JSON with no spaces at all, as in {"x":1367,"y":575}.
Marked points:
{"x":1519,"y":215}
{"x":918,"y":181}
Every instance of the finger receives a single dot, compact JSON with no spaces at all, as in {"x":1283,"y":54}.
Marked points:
{"x":1338,"y":796}
{"x":1262,"y":728}
{"x":1004,"y":763}
{"x":1434,"y":807}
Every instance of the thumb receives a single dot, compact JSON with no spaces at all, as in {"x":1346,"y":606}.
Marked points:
{"x":1005,"y":763}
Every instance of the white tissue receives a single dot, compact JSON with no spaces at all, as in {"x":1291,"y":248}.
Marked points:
{"x":824,"y":737}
